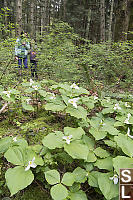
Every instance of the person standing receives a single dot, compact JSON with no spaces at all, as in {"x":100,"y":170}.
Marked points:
{"x":33,"y":61}
{"x":21,"y":51}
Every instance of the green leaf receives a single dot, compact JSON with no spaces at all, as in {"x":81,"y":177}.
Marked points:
{"x":105,"y":163}
{"x":98,"y":134}
{"x":42,"y":93}
{"x":91,"y":157}
{"x":17,"y":179}
{"x":77,"y":150}
{"x":101,"y":152}
{"x":75,"y":132}
{"x":53,"y":140}
{"x":15,"y":155}
{"x":93,"y":178}
{"x":107,"y":187}
{"x":79,"y":112}
{"x":89,"y":142}
{"x":110,"y":143}
{"x":125,"y":143}
{"x":55,"y":107}
{"x":27,"y":106}
{"x":59,"y":192}
{"x":80,"y":175}
{"x":68,"y":179}
{"x":80,"y":195}
{"x":122,"y":162}
{"x":5,"y":144}
{"x":52,"y":177}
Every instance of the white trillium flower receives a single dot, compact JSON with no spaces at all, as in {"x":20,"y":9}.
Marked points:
{"x":95,"y":97}
{"x":31,"y":164}
{"x":14,"y":139}
{"x":35,"y":87}
{"x":53,"y":96}
{"x":28,"y":101}
{"x":117,"y":107}
{"x":31,"y":82}
{"x":73,"y":102}
{"x":128,"y":133}
{"x":126,"y":104}
{"x":127,"y":119}
{"x":74,"y":86}
{"x":67,"y":138}
{"x":114,"y":178}
{"x":7,"y":93}
{"x":101,"y":123}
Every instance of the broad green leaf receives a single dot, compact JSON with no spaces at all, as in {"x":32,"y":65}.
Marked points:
{"x":93,"y":178}
{"x":17,"y":179}
{"x":105,"y":163}
{"x":77,"y":150}
{"x":15,"y":155}
{"x":110,"y":143}
{"x":107,"y":187}
{"x":75,"y":132}
{"x":20,"y":142}
{"x":79,"y":112}
{"x":53,"y":140}
{"x":125,"y":143}
{"x":101,"y":152}
{"x":42,"y":93}
{"x":55,"y":107}
{"x":59,"y":192}
{"x":5,"y":144}
{"x":89,"y":142}
{"x":107,"y":110}
{"x":91,"y":157}
{"x":80,"y":195}
{"x":52,"y":177}
{"x":27,"y":106}
{"x":68,"y":179}
{"x":80,"y":175}
{"x":122,"y":162}
{"x":98,"y":134}
{"x":111,"y":130}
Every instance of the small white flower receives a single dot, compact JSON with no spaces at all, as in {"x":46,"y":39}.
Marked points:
{"x":31,"y":82}
{"x":31,"y":164}
{"x":95,"y":97}
{"x":74,"y":86}
{"x":126,"y":104}
{"x":14,"y":139}
{"x":67,"y":138}
{"x":114,"y":178}
{"x":117,"y":107}
{"x":7,"y":93}
{"x":28,"y":101}
{"x":101,"y":123}
{"x":128,"y":133}
{"x":53,"y":96}
{"x":73,"y":101}
{"x":127,"y":119}
{"x":35,"y":87}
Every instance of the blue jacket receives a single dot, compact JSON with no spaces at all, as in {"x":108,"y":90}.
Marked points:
{"x":20,"y":49}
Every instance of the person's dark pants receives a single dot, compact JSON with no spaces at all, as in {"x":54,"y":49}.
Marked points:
{"x":34,"y":68}
{"x":24,"y":61}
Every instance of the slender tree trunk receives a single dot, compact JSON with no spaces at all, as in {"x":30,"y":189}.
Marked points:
{"x":19,"y":16}
{"x":110,"y":21}
{"x":32,"y":31}
{"x":102,"y":20}
{"x":88,"y":24}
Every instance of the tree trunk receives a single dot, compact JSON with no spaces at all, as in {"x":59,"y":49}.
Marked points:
{"x":122,"y":20}
{"x":88,"y":24}
{"x":110,"y":21}
{"x":32,"y":31}
{"x":19,"y":16}
{"x":102,"y":20}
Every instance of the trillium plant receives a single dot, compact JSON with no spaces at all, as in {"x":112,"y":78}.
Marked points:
{"x":94,"y":140}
